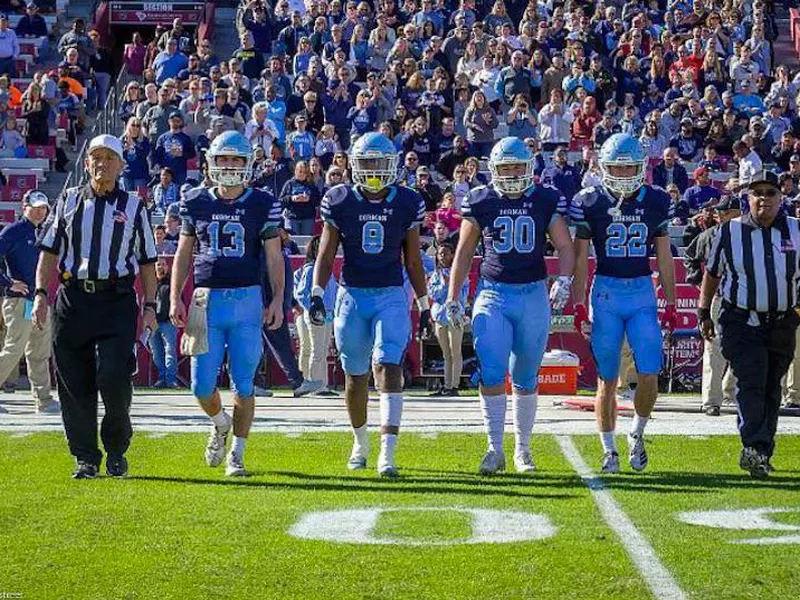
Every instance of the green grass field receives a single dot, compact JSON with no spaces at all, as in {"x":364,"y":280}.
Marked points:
{"x":177,"y":529}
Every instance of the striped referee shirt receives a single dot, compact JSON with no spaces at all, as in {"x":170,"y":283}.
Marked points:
{"x":99,"y":237}
{"x":758,"y":265}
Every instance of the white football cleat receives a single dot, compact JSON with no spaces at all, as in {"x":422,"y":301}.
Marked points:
{"x":523,"y":462}
{"x":386,"y":468}
{"x":492,"y":463}
{"x":234,"y":466}
{"x":637,"y":454}
{"x":215,"y":449}
{"x":610,"y":463}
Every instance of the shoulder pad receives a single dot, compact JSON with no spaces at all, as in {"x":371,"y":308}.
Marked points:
{"x":587,"y":196}
{"x":480,"y":193}
{"x":550,"y":188}
{"x":195,"y":193}
{"x":336,"y":195}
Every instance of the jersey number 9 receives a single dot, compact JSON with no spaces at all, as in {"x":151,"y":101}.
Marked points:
{"x":514,"y":234}
{"x":236,"y":233}
{"x":626,"y":241}
{"x":372,"y":237}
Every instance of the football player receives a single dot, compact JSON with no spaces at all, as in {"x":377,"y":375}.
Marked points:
{"x":377,"y":224}
{"x":230,"y":226}
{"x":623,"y":218}
{"x":511,"y":218}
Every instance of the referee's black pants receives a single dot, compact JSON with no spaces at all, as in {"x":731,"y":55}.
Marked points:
{"x":759,"y":355}
{"x":93,"y":340}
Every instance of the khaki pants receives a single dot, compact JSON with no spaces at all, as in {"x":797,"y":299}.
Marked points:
{"x":22,"y":338}
{"x":791,"y":389}
{"x":450,"y":339}
{"x":14,"y":375}
{"x":315,"y":341}
{"x":719,"y":383}
{"x":627,"y":368}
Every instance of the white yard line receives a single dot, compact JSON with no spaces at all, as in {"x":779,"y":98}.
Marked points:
{"x":644,"y":557}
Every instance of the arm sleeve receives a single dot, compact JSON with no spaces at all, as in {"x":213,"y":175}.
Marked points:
{"x":716,"y":257}
{"x":53,"y":236}
{"x":327,"y":210}
{"x":272,"y":222}
{"x":145,"y":246}
{"x":419,"y":213}
{"x":187,"y":219}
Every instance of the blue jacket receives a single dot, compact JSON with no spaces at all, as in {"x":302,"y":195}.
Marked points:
{"x":567,"y":180}
{"x":163,"y":153}
{"x":19,"y":253}
{"x":438,"y":284}
{"x":300,"y":210}
{"x":303,"y":282}
{"x":136,"y":166}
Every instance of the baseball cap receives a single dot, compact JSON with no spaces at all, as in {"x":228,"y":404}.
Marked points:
{"x":700,"y":171}
{"x":764,"y":176}
{"x":727,"y":202}
{"x":106,"y":141}
{"x":794,"y":158}
{"x":35,"y":199}
{"x":31,"y":5}
{"x":423,"y":171}
{"x":687,"y":121}
{"x":3,"y":17}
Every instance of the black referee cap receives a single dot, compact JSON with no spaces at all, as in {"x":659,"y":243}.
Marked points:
{"x":765,"y":176}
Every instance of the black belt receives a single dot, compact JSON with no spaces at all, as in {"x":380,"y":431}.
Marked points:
{"x":94,"y":286}
{"x":765,"y":318}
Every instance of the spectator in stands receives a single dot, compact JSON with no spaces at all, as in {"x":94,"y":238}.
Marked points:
{"x":260,"y":130}
{"x":363,"y":116}
{"x":150,"y":100}
{"x":680,"y":209}
{"x":207,"y":58}
{"x":70,"y":104}
{"x":12,"y":144}
{"x":181,"y":36}
{"x":275,"y":174}
{"x":521,"y":119}
{"x":428,"y":189}
{"x":77,"y":38}
{"x":174,"y":149}
{"x":168,"y":63}
{"x":129,"y":101}
{"x":748,"y":161}
{"x":555,"y":120}
{"x":562,"y":175}
{"x":136,"y":147}
{"x":9,"y":48}
{"x":702,"y":193}
{"x":670,"y":171}
{"x":36,"y":112}
{"x":300,"y":199}
{"x":32,"y":25}
{"x":249,"y":57}
{"x":300,"y":142}
{"x":783,"y":151}
{"x":652,"y":140}
{"x":474,"y":175}
{"x":73,"y":67}
{"x":481,"y":122}
{"x":688,"y":144}
{"x":156,"y":120}
{"x":165,"y":194}
{"x":163,"y":341}
{"x":101,"y":67}
{"x":133,"y":55}
{"x":259,"y":26}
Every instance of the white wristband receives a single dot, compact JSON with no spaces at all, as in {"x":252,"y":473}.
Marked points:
{"x":317,"y":291}
{"x":423,"y":304}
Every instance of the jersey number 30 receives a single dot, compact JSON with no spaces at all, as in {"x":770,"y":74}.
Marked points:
{"x":514,"y":234}
{"x":372,"y":237}
{"x":235,"y":230}
{"x":626,"y":241}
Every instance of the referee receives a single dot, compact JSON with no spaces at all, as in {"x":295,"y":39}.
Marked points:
{"x":97,"y":238}
{"x":754,"y":264}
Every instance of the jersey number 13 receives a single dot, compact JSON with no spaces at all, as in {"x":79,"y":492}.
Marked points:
{"x":234,"y":230}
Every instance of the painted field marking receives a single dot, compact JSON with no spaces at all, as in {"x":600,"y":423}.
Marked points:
{"x":644,"y":557}
{"x":748,"y":519}
{"x":357,"y":526}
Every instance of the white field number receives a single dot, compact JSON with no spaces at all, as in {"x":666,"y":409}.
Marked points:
{"x":357,"y":526}
{"x":752,"y":519}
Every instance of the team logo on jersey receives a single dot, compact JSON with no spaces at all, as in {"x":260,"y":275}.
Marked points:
{"x":120,"y":216}
{"x":787,"y":245}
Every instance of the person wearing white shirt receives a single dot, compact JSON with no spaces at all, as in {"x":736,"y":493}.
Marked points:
{"x":749,"y":162}
{"x":260,"y":130}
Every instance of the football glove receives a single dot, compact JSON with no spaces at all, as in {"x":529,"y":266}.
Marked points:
{"x":559,"y":292}
{"x":669,"y":320}
{"x":316,"y":311}
{"x":425,"y":330}
{"x":454,"y":311}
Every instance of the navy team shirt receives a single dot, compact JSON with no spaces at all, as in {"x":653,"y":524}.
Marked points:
{"x":513,"y":230}
{"x":621,"y":242}
{"x":230,"y":235}
{"x":372,"y":233}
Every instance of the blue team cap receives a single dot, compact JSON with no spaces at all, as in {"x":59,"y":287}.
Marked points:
{"x":3,"y":17}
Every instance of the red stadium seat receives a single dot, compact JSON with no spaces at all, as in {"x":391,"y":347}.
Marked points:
{"x":7,"y":216}
{"x":794,"y":19}
{"x":17,"y":186}
{"x":42,"y":151}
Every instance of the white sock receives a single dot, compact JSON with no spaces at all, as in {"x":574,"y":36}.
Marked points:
{"x":608,"y":441}
{"x":220,"y":419}
{"x":238,"y":445}
{"x":524,"y":409}
{"x":361,"y":444}
{"x":638,"y":425}
{"x":388,"y":445}
{"x":494,"y":419}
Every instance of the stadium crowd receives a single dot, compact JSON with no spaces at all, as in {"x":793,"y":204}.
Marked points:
{"x":696,"y":81}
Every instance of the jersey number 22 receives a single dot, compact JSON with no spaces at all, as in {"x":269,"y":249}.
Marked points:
{"x":626,"y":241}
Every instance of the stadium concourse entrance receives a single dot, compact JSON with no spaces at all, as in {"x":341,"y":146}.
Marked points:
{"x":119,"y":19}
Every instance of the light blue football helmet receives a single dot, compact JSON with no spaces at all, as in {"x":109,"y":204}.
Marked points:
{"x":373,"y":162}
{"x":229,"y":143}
{"x":511,"y":151}
{"x":622,"y":150}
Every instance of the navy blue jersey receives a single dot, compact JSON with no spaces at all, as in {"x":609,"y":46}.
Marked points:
{"x":621,"y":241}
{"x":513,"y":230}
{"x":230,"y":235}
{"x":372,"y":233}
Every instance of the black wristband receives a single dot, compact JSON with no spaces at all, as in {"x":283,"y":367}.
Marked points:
{"x":40,"y":292}
{"x":703,"y":314}
{"x":150,"y":305}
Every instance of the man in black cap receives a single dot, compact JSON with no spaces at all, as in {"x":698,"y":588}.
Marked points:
{"x":753,"y":266}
